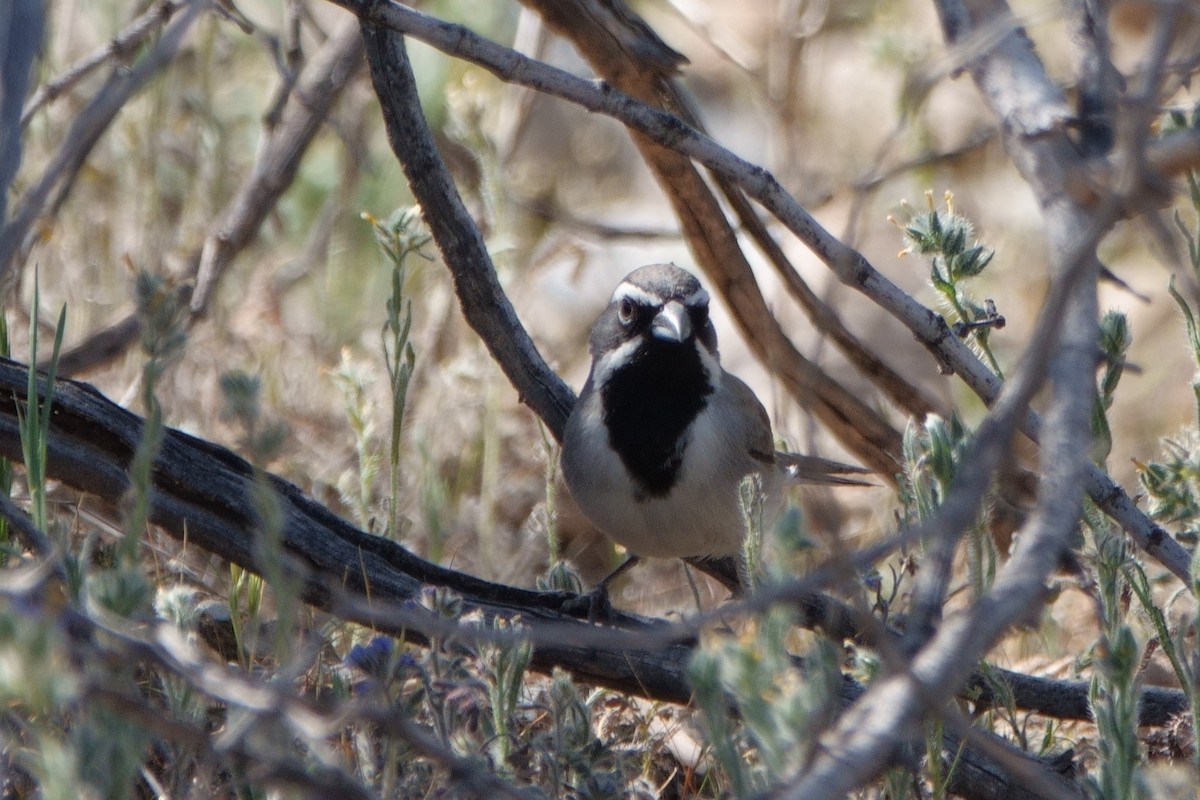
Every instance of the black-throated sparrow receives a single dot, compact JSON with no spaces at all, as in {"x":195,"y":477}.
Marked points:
{"x":661,"y":436}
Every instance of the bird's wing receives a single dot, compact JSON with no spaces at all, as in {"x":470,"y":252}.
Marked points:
{"x":757,"y":434}
{"x":795,"y":468}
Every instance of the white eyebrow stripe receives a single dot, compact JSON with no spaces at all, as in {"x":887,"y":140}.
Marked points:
{"x":696,"y":298}
{"x":627,"y":291}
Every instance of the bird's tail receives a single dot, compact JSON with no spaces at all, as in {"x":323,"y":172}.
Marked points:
{"x":811,"y":469}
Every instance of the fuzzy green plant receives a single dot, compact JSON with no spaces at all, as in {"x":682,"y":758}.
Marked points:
{"x":933,"y":453}
{"x":753,"y":500}
{"x":1172,"y":488}
{"x":756,"y":697}
{"x":1172,"y":485}
{"x":1172,"y":481}
{"x":357,"y":486}
{"x":163,"y":335}
{"x":560,"y":576}
{"x":123,"y":587}
{"x":946,"y":239}
{"x":1113,"y":690}
{"x":401,"y":236}
{"x":262,"y":440}
{"x":86,"y":749}
{"x":1189,"y":224}
{"x":773,"y":550}
{"x":505,"y":665}
{"x":35,"y":419}
{"x":245,"y":610}
{"x":1115,"y":339}
{"x":578,"y":763}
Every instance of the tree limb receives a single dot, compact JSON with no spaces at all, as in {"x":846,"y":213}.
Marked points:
{"x":851,"y":267}
{"x":202,"y":493}
{"x":318,"y":88}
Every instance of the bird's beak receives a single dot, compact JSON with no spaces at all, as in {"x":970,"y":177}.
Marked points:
{"x":672,"y":323}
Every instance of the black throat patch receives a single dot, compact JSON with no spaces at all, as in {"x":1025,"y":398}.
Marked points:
{"x":648,"y":405}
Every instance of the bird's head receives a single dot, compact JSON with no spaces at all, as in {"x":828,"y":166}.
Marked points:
{"x":656,"y":308}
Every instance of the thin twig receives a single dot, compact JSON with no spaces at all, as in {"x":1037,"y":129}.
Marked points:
{"x":319,"y":87}
{"x":850,"y":266}
{"x":54,"y":185}
{"x":321,"y":83}
{"x":119,"y":49}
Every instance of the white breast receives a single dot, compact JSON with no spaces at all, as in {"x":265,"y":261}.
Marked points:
{"x":701,"y":516}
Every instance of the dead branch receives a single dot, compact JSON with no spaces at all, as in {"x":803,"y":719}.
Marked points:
{"x":118,"y":49}
{"x":52,"y":189}
{"x":203,"y":494}
{"x":850,"y":266}
{"x":626,"y":53}
{"x":318,"y":88}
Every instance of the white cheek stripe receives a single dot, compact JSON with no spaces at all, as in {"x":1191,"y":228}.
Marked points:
{"x":627,"y":291}
{"x":613,"y":359}
{"x":712,"y":367}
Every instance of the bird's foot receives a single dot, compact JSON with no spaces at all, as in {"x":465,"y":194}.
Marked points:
{"x":595,"y":604}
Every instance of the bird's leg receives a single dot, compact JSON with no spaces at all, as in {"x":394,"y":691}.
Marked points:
{"x":618,"y":572}
{"x":596,"y":599}
{"x":687,"y":573}
{"x":599,"y":606}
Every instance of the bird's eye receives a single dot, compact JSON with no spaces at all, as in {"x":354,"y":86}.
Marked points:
{"x":625,"y":311}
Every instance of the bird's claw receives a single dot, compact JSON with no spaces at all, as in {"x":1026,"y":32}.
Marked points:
{"x":594,"y":604}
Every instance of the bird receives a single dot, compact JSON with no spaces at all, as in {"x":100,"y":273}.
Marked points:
{"x":657,"y":445}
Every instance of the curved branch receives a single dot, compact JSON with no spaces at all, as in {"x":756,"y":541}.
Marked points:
{"x":318,"y":88}
{"x":850,"y":266}
{"x":483,"y":301}
{"x":203,"y":494}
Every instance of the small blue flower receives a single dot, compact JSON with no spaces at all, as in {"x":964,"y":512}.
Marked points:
{"x":373,"y":657}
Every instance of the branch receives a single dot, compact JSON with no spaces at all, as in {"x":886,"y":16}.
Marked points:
{"x":203,"y":494}
{"x":120,"y":48}
{"x":318,"y":88}
{"x":86,"y":129}
{"x":484,"y":304}
{"x":1030,"y":109}
{"x":618,"y":44}
{"x":851,"y":267}
{"x":320,"y":85}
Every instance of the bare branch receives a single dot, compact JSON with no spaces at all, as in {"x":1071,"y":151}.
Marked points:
{"x":319,"y":86}
{"x":850,"y":266}
{"x":16,"y":238}
{"x":483,"y":301}
{"x":203,"y":494}
{"x":122,"y":46}
{"x":1012,"y":80}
